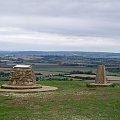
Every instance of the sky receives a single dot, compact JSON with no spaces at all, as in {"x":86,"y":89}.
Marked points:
{"x":60,"y":25}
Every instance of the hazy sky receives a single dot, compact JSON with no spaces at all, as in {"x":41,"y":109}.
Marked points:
{"x":82,"y":25}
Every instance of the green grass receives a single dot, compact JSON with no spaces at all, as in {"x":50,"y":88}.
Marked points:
{"x":65,"y":69}
{"x":72,"y":101}
{"x":113,"y":73}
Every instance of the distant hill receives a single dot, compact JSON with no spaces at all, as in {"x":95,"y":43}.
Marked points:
{"x":60,"y":53}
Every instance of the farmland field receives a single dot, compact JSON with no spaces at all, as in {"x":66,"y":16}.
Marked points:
{"x":65,"y":69}
{"x":86,"y":75}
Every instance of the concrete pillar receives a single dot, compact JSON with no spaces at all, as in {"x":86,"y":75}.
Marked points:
{"x":101,"y":75}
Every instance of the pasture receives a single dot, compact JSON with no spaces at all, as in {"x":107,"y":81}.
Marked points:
{"x":72,"y":101}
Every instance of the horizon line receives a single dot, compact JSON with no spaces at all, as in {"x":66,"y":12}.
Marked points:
{"x":57,"y":51}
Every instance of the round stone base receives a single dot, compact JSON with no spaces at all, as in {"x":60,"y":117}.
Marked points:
{"x":35,"y":90}
{"x":6,"y":86}
{"x":99,"y":85}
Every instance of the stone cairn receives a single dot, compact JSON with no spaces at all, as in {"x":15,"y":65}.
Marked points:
{"x":22,"y":80}
{"x":22,"y":75}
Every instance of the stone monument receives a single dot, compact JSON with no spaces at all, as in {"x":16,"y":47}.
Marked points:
{"x":22,"y":79}
{"x":101,"y":75}
{"x":22,"y":75}
{"x":101,"y":79}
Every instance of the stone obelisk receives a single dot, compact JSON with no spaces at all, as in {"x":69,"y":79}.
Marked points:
{"x":101,"y":79}
{"x":101,"y":75}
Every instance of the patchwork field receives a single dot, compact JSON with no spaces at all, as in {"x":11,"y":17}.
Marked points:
{"x":86,"y":75}
{"x":63,"y":69}
{"x":45,"y":72}
{"x":72,"y":101}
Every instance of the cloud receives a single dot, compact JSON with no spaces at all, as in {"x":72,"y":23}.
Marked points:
{"x":89,"y":25}
{"x":26,"y":40}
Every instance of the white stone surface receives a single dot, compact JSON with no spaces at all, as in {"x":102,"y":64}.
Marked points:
{"x":22,"y":66}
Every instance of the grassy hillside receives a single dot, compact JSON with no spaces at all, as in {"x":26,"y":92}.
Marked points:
{"x":72,"y":101}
